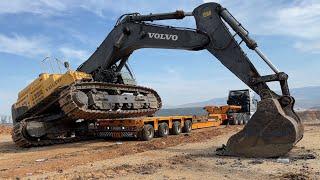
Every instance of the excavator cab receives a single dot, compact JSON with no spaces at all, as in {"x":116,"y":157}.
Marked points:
{"x":127,"y":76}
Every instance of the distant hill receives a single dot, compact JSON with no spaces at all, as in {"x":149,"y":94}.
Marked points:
{"x":215,"y":101}
{"x":306,"y":98}
{"x":198,"y":111}
{"x":315,"y":108}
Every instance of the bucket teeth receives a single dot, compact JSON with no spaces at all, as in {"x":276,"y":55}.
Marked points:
{"x":271,"y":132}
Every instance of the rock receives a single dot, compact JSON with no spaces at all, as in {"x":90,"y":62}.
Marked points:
{"x":119,"y":143}
{"x":256,"y":161}
{"x":221,"y":163}
{"x":237,"y":163}
{"x":304,"y":157}
{"x":309,"y":156}
{"x":166,"y":177}
{"x":41,"y":160}
{"x":110,"y":176}
{"x":293,"y":175}
{"x":283,"y":160}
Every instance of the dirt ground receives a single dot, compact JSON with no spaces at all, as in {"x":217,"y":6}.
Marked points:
{"x":5,"y":129}
{"x":188,"y":156}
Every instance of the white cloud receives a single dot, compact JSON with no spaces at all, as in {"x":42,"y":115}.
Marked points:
{"x":38,"y":47}
{"x":71,"y":54}
{"x":311,"y":46}
{"x":24,"y":46}
{"x":42,"y":7}
{"x":302,"y":19}
{"x":98,"y":7}
{"x":299,"y":19}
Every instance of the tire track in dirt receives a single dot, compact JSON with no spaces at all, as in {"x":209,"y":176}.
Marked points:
{"x":90,"y":151}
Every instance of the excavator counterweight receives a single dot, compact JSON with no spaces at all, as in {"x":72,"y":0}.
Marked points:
{"x":272,"y":131}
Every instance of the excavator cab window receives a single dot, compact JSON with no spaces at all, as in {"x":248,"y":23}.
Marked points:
{"x":127,"y":75}
{"x":54,"y":65}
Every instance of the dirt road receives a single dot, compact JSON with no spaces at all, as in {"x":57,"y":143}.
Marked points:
{"x":176,"y":157}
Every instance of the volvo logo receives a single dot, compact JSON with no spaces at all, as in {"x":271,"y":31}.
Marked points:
{"x":172,"y":37}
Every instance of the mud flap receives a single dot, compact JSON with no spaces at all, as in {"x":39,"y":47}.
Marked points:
{"x":271,"y":132}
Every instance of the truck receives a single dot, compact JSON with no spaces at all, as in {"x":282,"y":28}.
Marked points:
{"x":245,"y":98}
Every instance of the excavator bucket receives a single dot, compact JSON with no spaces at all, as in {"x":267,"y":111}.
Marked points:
{"x":271,"y":132}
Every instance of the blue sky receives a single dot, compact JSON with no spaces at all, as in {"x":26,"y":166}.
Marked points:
{"x":287,"y":31}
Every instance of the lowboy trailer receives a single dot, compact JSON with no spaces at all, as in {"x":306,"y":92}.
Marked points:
{"x":145,"y":128}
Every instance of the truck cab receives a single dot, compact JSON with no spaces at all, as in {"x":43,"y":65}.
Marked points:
{"x":246,"y":99}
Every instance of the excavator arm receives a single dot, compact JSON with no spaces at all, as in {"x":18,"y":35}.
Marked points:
{"x":272,"y":130}
{"x":133,"y":33}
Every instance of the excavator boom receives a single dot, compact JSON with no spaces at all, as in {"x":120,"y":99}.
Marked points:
{"x":273,"y":129}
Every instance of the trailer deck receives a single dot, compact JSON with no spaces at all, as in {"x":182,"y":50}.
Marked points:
{"x":136,"y":127}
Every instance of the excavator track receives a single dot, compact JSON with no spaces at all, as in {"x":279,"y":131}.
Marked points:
{"x":21,"y":138}
{"x":74,"y":111}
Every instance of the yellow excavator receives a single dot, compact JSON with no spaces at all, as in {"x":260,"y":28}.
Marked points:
{"x":59,"y":108}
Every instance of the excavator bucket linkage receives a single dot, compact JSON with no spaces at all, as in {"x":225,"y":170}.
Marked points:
{"x":275,"y":128}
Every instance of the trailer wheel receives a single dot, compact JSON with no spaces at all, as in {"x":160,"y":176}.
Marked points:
{"x":233,"y":122}
{"x":176,"y":128}
{"x":147,"y":132}
{"x":187,"y":126}
{"x":163,"y":130}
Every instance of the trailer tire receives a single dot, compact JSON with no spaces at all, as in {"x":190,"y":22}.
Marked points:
{"x":147,"y":132}
{"x":187,"y":126}
{"x":163,"y":130}
{"x":233,"y":122}
{"x":176,"y":128}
